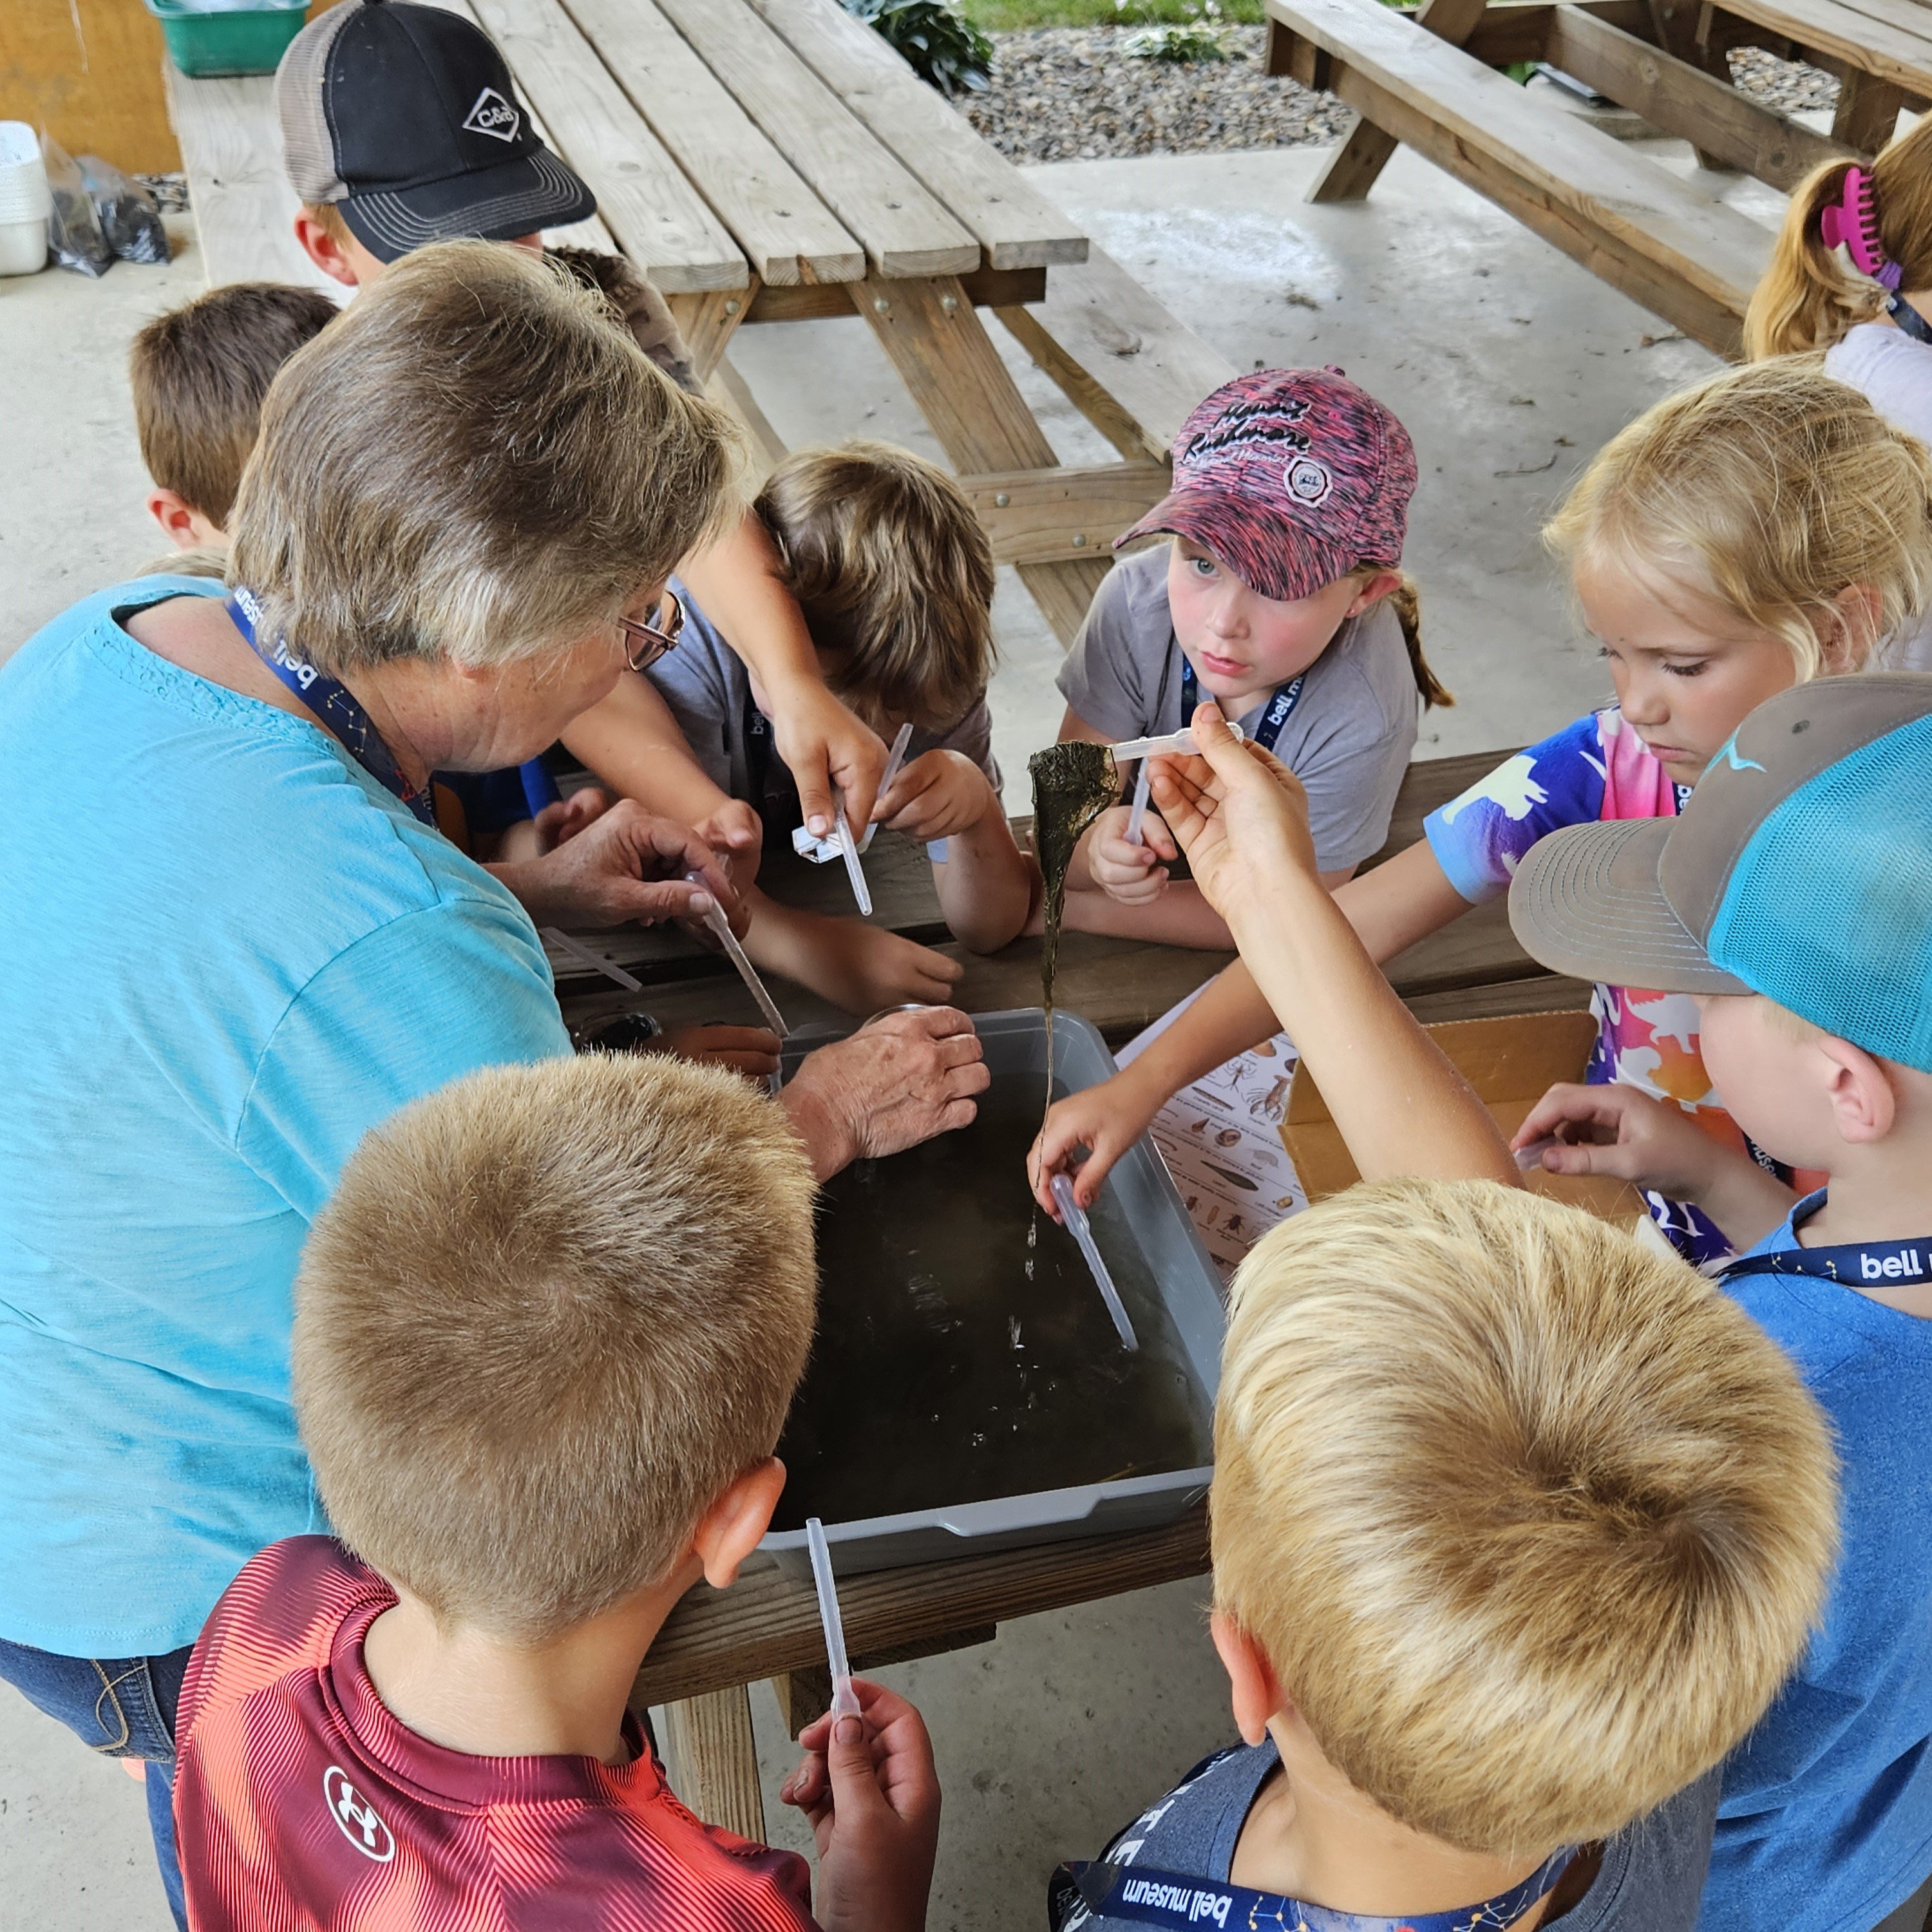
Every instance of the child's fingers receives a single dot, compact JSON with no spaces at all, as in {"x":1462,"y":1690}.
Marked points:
{"x":1570,"y":1106}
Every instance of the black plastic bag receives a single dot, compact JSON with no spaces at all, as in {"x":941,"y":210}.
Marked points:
{"x":73,"y":229}
{"x":131,"y":221}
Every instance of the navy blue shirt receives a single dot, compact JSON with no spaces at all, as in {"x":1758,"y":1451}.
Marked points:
{"x":1647,"y":1880}
{"x":1827,"y":1806}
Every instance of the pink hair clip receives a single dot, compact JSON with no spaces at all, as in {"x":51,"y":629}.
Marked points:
{"x":1852,"y":223}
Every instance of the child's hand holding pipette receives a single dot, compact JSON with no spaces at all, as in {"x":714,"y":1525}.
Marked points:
{"x":938,"y":796}
{"x":868,"y":1787}
{"x":1133,"y":872}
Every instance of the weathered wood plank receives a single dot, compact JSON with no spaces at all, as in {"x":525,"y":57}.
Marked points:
{"x":768,"y":1621}
{"x":788,"y":235}
{"x":1353,"y":167}
{"x":657,"y":217}
{"x":1017,"y":226}
{"x":1045,"y":516}
{"x":716,"y":1758}
{"x":902,"y":228}
{"x":1897,"y":52}
{"x":1684,"y":100}
{"x":985,"y":288}
{"x":1627,"y":220}
{"x":1131,"y":366}
{"x":708,"y":321}
{"x":1866,"y":116}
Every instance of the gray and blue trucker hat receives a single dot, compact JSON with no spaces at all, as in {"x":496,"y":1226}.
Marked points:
{"x":1801,"y":868}
{"x":406,"y":119}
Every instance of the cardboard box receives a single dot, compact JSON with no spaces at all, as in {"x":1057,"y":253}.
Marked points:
{"x":1511,"y":1062}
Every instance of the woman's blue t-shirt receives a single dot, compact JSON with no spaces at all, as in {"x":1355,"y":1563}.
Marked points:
{"x":225,"y":953}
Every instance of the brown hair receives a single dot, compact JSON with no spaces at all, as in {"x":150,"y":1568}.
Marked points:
{"x":550,"y":1312}
{"x":1805,"y":299}
{"x":1405,"y":601}
{"x":1530,"y":1521}
{"x":473,"y":462}
{"x":1772,"y":490}
{"x":894,"y":574}
{"x":199,"y":373}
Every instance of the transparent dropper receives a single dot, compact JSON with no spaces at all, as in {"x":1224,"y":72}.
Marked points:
{"x":844,"y":1699}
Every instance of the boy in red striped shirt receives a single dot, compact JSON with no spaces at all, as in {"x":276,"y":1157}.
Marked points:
{"x":546,"y":1334}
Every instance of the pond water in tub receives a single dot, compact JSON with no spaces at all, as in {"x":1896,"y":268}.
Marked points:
{"x":963,"y":1351}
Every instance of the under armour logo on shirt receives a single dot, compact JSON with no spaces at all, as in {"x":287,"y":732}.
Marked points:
{"x":493,"y":116}
{"x":354,"y":1819}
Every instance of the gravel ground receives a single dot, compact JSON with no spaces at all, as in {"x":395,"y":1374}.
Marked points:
{"x":1066,"y":93}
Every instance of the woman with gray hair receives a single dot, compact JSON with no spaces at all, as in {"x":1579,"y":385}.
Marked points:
{"x":454,"y":536}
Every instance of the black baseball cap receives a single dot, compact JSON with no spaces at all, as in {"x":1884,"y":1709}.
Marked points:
{"x":405,"y":119}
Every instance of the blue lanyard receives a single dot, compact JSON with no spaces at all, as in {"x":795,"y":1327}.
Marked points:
{"x":1280,"y":706}
{"x":1856,"y":1264}
{"x":335,"y":704}
{"x":1184,"y":1904}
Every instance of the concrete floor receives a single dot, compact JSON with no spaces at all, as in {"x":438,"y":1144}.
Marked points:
{"x":1509,"y":366}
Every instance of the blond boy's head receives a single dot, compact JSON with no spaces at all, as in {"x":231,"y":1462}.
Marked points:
{"x":199,"y":374}
{"x":1529,"y":1522}
{"x":895,"y":576}
{"x":549,"y":1315}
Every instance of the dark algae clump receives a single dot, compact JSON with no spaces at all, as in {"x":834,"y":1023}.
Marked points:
{"x":1072,"y":784}
{"x":962,"y":1351}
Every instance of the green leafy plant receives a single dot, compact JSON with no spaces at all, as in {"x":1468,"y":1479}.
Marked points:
{"x":944,"y":49}
{"x":1201,"y":37}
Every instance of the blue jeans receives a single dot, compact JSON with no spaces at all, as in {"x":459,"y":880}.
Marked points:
{"x":121,"y":1707}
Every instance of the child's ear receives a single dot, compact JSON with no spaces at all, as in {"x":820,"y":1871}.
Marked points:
{"x":730,"y":1530}
{"x":325,"y":251}
{"x":1858,"y":612}
{"x":1864,"y":1105}
{"x":1372,"y":589}
{"x":187,"y":528}
{"x":1255,"y":1692}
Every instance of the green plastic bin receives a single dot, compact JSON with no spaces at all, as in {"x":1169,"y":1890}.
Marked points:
{"x":206,"y":37}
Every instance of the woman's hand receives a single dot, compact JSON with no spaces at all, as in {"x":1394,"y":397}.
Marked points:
{"x":622,"y":867}
{"x":751,"y":1050}
{"x":1240,"y":814}
{"x":827,"y":751}
{"x":1106,"y":1120}
{"x":894,"y":1083}
{"x":1131,"y":874}
{"x":867,"y":1786}
{"x":938,"y":796}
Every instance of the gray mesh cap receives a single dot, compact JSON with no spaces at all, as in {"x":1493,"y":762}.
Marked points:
{"x":405,"y":119}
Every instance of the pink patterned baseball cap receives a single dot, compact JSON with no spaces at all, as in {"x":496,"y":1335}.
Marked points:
{"x":1290,"y":478}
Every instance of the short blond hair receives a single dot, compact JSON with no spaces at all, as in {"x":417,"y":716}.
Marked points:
{"x":549,"y":1313}
{"x":1531,"y":1522}
{"x":474,"y":464}
{"x":894,"y":574}
{"x":1771,"y":490}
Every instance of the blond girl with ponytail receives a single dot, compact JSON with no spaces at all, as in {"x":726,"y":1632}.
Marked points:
{"x":1765,"y":527}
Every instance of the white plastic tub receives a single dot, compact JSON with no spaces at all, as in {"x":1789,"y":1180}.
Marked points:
{"x":26,"y":201}
{"x":23,"y":246}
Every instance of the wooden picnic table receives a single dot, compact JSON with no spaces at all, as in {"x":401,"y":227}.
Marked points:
{"x":1429,"y":80}
{"x":774,"y":160}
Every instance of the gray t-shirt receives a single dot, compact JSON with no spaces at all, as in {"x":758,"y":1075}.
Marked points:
{"x":1650,"y":1878}
{"x":705,"y":683}
{"x":1347,"y":739}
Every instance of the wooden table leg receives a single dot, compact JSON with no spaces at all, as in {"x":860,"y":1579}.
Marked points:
{"x":1365,"y":151}
{"x":947,"y":361}
{"x":707,"y":321}
{"x":715,"y":1760}
{"x":1866,"y":116}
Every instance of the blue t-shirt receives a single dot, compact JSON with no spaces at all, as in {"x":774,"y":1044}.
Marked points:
{"x":1647,"y":1879}
{"x":232,"y":954}
{"x":1826,"y":1816}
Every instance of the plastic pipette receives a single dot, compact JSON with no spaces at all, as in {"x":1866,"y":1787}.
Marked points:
{"x":1138,"y":816}
{"x":1181,"y":744}
{"x":721,"y":930}
{"x":822,"y":851}
{"x":1074,"y":1217}
{"x":844,"y":1699}
{"x":842,"y":831}
{"x":596,"y":961}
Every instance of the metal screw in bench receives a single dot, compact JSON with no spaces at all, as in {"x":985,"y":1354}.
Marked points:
{"x":880,"y":306}
{"x":949,"y":303}
{"x":1001,"y":499}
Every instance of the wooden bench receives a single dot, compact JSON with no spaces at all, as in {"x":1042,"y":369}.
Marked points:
{"x":1660,"y":239}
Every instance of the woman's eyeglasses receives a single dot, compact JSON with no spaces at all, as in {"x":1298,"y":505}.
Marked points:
{"x":645,"y":643}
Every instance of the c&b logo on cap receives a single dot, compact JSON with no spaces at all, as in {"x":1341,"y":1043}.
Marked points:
{"x":494,"y":116}
{"x":354,"y":1819}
